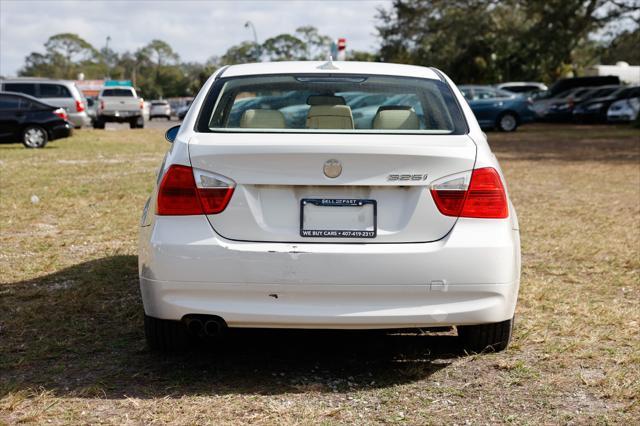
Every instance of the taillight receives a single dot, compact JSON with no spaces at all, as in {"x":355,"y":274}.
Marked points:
{"x":188,"y":191}
{"x":79,"y":106}
{"x":101,"y":104}
{"x":62,"y":113}
{"x":478,"y":194}
{"x":141,"y":104}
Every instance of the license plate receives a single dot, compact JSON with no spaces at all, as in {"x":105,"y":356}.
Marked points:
{"x":338,"y":218}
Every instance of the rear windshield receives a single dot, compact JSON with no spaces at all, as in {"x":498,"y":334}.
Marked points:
{"x":331,"y":104}
{"x":159,"y":103}
{"x":117,"y":92}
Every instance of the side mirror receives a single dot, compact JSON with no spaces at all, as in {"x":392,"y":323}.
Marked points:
{"x":170,"y":135}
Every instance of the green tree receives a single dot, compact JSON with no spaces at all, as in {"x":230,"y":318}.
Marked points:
{"x":361,"y":56}
{"x":481,"y":41}
{"x":284,"y":47}
{"x":317,"y":46}
{"x":63,"y":58}
{"x":157,"y":70}
{"x":239,"y":54}
{"x":72,"y":48}
{"x":625,"y":47}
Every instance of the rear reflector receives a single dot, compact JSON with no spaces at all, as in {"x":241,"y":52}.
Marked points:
{"x":482,"y":197}
{"x":178,"y":194}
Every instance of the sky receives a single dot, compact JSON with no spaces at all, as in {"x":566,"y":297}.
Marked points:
{"x":196,"y":29}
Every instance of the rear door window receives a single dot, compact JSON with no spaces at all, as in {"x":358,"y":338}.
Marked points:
{"x":26,"y":88}
{"x":481,"y":93}
{"x":54,"y":91}
{"x":9,"y":103}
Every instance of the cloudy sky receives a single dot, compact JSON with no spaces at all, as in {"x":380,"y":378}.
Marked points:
{"x":195,"y":29}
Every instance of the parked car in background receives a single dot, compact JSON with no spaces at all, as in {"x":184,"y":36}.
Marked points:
{"x":363,"y":107}
{"x":404,"y":223}
{"x":26,"y":119}
{"x":160,"y":109}
{"x":541,"y":105}
{"x":498,"y":109}
{"x":119,"y":104}
{"x":565,"y":84}
{"x":182,"y":111}
{"x":92,"y":107}
{"x":595,"y":109}
{"x":561,"y":110}
{"x":525,"y":88}
{"x":146,"y":109}
{"x":624,"y":110}
{"x":60,"y":93}
{"x":363,"y":117}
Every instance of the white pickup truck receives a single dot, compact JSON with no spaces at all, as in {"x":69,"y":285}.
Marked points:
{"x":119,"y":104}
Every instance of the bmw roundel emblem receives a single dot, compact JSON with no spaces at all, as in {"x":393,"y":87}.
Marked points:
{"x":332,"y":168}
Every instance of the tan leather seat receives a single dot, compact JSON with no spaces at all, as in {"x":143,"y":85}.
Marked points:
{"x":262,"y":119}
{"x":329,"y":117}
{"x":396,"y":119}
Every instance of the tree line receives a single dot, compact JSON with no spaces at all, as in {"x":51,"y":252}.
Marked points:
{"x":473,"y":41}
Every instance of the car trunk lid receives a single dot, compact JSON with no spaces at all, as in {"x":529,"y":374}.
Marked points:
{"x":282,"y":190}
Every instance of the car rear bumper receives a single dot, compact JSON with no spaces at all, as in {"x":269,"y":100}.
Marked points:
{"x":79,"y":119}
{"x":469,"y":277}
{"x":620,"y":118}
{"x":61,"y":131}
{"x":119,"y":116}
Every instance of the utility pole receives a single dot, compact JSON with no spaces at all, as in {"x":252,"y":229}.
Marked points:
{"x":106,"y":57}
{"x":258,"y":52}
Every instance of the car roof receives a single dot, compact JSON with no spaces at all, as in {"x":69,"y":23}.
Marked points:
{"x":23,"y":95}
{"x":476,"y":86}
{"x":521,"y":83}
{"x":116,"y":87}
{"x":326,"y":67}
{"x":36,"y":80}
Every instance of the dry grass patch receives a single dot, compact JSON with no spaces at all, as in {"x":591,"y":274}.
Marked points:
{"x":72,"y":348}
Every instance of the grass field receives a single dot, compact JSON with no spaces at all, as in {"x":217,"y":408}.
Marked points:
{"x":72,"y":348}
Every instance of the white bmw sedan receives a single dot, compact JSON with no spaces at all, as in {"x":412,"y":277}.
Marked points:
{"x":272,"y":209}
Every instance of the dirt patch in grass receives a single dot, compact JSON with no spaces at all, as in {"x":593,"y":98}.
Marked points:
{"x":72,"y":348}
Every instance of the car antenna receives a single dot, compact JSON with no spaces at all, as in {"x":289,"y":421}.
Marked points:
{"x":328,"y":65}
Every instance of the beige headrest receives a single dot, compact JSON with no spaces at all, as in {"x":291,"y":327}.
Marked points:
{"x":396,"y":119}
{"x":262,"y":119}
{"x":329,"y":117}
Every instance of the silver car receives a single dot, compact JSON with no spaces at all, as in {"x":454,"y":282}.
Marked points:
{"x":60,"y":93}
{"x":160,"y":109}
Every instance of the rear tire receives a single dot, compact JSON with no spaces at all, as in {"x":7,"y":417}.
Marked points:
{"x":507,"y":122}
{"x":165,"y":335}
{"x":34,"y":137}
{"x":98,"y":124}
{"x":486,"y":337}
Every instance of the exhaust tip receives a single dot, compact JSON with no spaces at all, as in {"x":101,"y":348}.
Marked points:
{"x":213,"y":328}
{"x":194,"y":325}
{"x":204,"y":325}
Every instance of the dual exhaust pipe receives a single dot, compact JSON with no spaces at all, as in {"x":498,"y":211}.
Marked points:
{"x":205,"y":325}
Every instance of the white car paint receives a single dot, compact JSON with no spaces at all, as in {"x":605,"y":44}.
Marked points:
{"x":249,"y":266}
